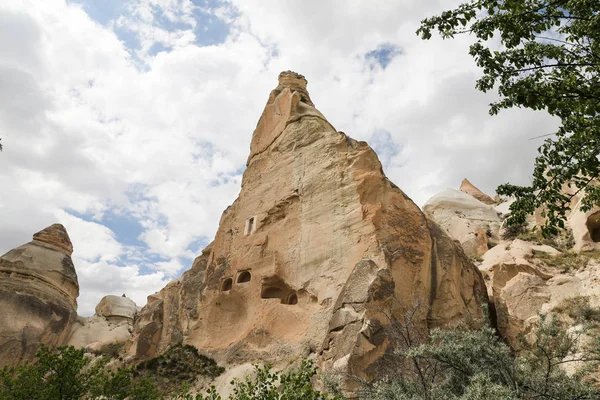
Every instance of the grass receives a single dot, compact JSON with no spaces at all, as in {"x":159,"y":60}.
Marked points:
{"x":568,"y":261}
{"x":564,"y":242}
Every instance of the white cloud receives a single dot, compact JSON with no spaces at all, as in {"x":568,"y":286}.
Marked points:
{"x":89,"y":130}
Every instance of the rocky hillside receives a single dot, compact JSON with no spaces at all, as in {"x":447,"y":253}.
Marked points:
{"x":525,"y":274}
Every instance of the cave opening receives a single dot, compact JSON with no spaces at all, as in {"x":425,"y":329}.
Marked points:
{"x":593,"y":226}
{"x":244,"y":277}
{"x":226,"y":285}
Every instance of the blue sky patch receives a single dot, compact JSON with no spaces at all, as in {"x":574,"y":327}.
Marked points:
{"x":382,"y":55}
{"x":384,"y":145}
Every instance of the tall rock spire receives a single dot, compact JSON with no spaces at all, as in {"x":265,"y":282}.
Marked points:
{"x":38,"y":295}
{"x":316,"y":245}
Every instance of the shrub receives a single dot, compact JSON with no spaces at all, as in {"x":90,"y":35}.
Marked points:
{"x":465,"y":364}
{"x":270,"y":385}
{"x":65,"y":373}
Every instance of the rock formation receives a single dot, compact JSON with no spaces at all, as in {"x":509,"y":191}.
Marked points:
{"x":318,"y":243}
{"x":469,"y":188}
{"x":524,"y":276}
{"x":38,"y":295}
{"x":474,"y":224}
{"x":112,"y":324}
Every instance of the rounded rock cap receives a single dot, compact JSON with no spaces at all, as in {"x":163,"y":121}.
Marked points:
{"x":116,"y":306}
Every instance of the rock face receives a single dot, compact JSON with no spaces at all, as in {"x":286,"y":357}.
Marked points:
{"x":305,"y":260}
{"x":474,"y":224}
{"x":38,"y":295}
{"x":469,"y":188}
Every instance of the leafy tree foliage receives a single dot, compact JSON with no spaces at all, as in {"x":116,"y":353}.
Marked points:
{"x":270,"y":385}
{"x":548,"y":59}
{"x":466,"y":364}
{"x":65,"y":373}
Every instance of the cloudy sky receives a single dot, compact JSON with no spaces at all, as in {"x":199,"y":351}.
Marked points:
{"x":129,"y":121}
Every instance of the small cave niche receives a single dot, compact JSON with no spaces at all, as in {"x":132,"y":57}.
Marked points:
{"x":250,"y":225}
{"x":593,"y":226}
{"x":291,"y":299}
{"x":244,"y":277}
{"x":226,"y":285}
{"x":273,"y":287}
{"x":270,"y":292}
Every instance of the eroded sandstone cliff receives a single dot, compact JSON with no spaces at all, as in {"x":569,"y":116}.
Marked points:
{"x":318,"y":243}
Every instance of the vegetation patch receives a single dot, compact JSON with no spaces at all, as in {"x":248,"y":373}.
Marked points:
{"x":563,"y":242}
{"x":566,"y":262}
{"x":111,"y":350}
{"x":579,"y":309}
{"x":177,"y":367}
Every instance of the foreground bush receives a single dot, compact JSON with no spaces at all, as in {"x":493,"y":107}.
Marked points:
{"x":463,"y":364}
{"x":269,"y":385}
{"x":65,"y":373}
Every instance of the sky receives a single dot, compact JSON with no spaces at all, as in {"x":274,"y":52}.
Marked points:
{"x":129,"y":121}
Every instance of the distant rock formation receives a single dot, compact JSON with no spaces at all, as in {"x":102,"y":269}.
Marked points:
{"x":112,"y":324}
{"x":469,"y":188}
{"x":116,"y":308}
{"x":525,"y":275}
{"x":318,"y":243}
{"x":474,"y":224}
{"x":38,"y":295}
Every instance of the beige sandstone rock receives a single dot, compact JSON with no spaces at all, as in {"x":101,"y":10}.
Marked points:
{"x":585,"y":227}
{"x":38,"y":295}
{"x":116,"y":308}
{"x":474,"y":224}
{"x":112,"y":323}
{"x":518,"y":305}
{"x":316,"y":245}
{"x":521,"y":284}
{"x":469,"y":188}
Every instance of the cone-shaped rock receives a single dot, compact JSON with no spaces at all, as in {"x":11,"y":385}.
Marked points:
{"x":318,"y":243}
{"x":38,"y":295}
{"x":469,"y":188}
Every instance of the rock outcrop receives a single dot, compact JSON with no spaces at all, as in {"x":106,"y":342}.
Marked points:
{"x":117,"y":308}
{"x":38,"y":295}
{"x":474,"y":224}
{"x":469,"y":188}
{"x":318,"y":243}
{"x":112,"y":324}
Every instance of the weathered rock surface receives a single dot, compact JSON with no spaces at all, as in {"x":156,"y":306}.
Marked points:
{"x":112,"y":324}
{"x":585,"y":227}
{"x":116,"y":308}
{"x":474,"y":224}
{"x":316,"y":245}
{"x":38,"y":295}
{"x":469,"y":188}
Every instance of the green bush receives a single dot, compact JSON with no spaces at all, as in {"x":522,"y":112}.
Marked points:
{"x":270,"y":385}
{"x":65,"y":373}
{"x":464,"y":364}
